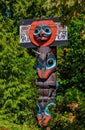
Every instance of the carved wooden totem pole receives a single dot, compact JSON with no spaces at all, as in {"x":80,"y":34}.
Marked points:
{"x":44,"y":35}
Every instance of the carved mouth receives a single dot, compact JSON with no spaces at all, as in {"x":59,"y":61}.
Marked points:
{"x":42,"y":37}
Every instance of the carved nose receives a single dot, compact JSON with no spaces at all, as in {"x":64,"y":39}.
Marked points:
{"x":43,"y":71}
{"x":41,"y":33}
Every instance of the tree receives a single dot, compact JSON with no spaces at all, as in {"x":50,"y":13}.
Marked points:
{"x":17,"y":75}
{"x":65,"y":9}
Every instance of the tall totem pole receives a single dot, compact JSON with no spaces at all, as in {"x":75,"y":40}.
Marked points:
{"x":44,"y":35}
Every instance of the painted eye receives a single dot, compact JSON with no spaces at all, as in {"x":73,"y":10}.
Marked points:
{"x":37,"y":31}
{"x":47,"y":30}
{"x":51,"y":62}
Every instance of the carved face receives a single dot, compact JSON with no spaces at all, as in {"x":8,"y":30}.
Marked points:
{"x":42,"y":33}
{"x":46,"y":62}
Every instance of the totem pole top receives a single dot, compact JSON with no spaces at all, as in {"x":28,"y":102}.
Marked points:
{"x":54,"y":33}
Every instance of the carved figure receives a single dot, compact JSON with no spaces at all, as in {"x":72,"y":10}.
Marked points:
{"x":45,"y":35}
{"x":46,"y":69}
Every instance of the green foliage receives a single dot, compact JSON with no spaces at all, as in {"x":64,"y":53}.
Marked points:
{"x":71,"y":68}
{"x":71,"y":76}
{"x":66,"y":9}
{"x":17,"y":73}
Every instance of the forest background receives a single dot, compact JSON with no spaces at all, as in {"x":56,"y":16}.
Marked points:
{"x":17,"y":66}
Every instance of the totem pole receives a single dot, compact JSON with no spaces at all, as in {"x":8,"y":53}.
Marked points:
{"x":44,"y":35}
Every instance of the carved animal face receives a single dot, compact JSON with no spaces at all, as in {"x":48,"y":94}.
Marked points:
{"x":46,"y":62}
{"x":42,"y":33}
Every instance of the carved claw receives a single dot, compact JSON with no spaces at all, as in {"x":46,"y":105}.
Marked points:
{"x":46,"y":120}
{"x":39,"y":118}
